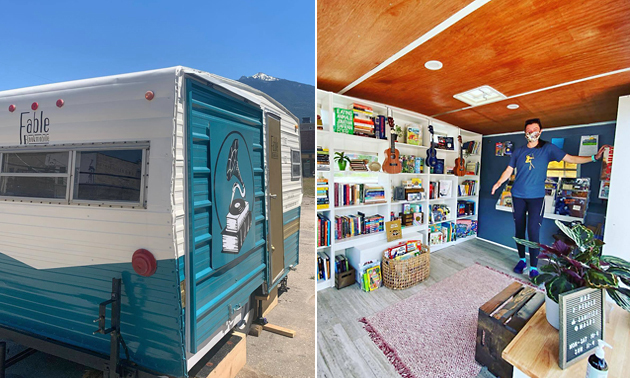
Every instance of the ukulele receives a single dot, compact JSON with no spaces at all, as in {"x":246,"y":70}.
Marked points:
{"x":392,"y":162}
{"x":460,"y":163}
{"x":431,"y":160}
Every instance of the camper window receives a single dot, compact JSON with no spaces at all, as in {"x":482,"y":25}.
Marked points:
{"x":295,"y":165}
{"x":108,"y":176}
{"x":34,"y":174}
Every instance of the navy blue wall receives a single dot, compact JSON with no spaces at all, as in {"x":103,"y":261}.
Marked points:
{"x":498,"y":226}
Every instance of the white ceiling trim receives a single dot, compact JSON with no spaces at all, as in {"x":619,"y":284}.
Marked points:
{"x":476,"y":4}
{"x":539,"y":90}
{"x":555,"y":128}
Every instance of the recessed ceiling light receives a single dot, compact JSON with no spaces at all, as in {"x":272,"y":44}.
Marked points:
{"x":433,"y":65}
{"x":512,"y":106}
{"x":481,"y":95}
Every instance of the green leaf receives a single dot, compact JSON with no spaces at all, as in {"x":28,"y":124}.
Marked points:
{"x":600,"y":279}
{"x":526,"y":243}
{"x":621,"y":297}
{"x":616,"y":261}
{"x":623,"y":274}
{"x":549,"y":268}
{"x":557,"y":286}
{"x":543,"y":278}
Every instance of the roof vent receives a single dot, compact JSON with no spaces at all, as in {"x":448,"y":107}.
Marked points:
{"x":480,"y":95}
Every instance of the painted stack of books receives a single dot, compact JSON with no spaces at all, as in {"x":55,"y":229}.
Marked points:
{"x":471,"y":147}
{"x":323,"y":200}
{"x":363,"y":122}
{"x":324,"y":231}
{"x":356,"y":194}
{"x":323,"y":266}
{"x":467,"y":188}
{"x":323,"y":159}
{"x":353,"y":225}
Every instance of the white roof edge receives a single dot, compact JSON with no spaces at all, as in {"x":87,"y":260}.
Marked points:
{"x":232,"y":85}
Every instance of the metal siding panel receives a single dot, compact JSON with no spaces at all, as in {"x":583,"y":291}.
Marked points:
{"x":292,"y":242}
{"x":61,"y":304}
{"x":220,"y":283}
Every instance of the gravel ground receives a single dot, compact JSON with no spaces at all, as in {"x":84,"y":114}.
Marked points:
{"x":272,"y":355}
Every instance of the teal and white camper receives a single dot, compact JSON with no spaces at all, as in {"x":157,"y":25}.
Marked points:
{"x":183,"y":185}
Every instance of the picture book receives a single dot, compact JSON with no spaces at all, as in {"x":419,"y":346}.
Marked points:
{"x":414,"y":135}
{"x":373,"y":280}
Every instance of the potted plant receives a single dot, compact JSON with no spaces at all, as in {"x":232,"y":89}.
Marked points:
{"x":396,"y":131}
{"x":584,"y":265}
{"x":342,"y":160}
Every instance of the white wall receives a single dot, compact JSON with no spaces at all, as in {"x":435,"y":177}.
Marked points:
{"x":617,"y":215}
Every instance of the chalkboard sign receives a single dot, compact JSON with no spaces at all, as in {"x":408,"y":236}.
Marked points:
{"x":344,"y":121}
{"x":581,"y":323}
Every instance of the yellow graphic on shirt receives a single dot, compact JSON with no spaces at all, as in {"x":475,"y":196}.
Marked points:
{"x":528,"y":160}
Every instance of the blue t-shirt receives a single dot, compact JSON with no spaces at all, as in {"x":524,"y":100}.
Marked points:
{"x":531,"y":169}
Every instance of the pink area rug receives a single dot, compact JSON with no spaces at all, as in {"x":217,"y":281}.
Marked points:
{"x":432,"y":334}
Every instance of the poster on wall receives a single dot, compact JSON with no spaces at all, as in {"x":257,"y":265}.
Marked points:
{"x":588,"y":145}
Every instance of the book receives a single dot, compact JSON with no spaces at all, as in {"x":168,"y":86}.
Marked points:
{"x":446,"y":189}
{"x":344,"y":121}
{"x":413,"y":135}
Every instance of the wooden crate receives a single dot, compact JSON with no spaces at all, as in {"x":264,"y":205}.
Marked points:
{"x":344,"y":279}
{"x":500,"y":320}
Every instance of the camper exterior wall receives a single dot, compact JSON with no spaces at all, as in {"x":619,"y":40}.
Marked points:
{"x":57,"y":260}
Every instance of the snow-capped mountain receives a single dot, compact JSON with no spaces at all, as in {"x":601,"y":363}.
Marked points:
{"x":264,"y":76}
{"x":297,"y":97}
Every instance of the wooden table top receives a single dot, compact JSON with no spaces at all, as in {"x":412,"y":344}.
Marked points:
{"x":534,"y":351}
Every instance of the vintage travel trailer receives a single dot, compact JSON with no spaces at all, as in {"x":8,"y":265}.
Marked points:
{"x":140,"y":212}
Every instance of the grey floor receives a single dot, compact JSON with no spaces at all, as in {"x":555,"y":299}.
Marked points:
{"x":344,"y":347}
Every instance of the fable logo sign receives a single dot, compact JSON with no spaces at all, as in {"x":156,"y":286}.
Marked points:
{"x":34,"y":128}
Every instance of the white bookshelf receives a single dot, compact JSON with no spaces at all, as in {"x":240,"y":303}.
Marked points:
{"x":370,"y":246}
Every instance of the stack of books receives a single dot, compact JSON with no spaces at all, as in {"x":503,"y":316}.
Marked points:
{"x":323,"y":266}
{"x":467,"y":188}
{"x":342,"y":264}
{"x":323,"y":159}
{"x":323,"y":201}
{"x":356,"y":194}
{"x":471,"y":147}
{"x":353,"y":225}
{"x":472,"y":168}
{"x":441,"y":233}
{"x":324,"y":231}
{"x":363,"y":121}
{"x":465,"y":208}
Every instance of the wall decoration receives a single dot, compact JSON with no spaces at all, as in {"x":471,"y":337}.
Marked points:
{"x":588,"y":145}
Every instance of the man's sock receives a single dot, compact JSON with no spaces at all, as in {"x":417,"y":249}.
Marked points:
{"x":523,"y":259}
{"x":533,"y":268}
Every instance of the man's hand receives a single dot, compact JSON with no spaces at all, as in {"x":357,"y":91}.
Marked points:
{"x":601,"y":151}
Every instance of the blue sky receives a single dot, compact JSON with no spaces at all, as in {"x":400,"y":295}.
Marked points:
{"x":52,"y":41}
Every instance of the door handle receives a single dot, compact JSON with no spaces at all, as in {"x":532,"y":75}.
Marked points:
{"x":274,"y":196}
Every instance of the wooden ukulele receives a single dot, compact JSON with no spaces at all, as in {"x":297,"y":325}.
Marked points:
{"x":392,"y":162}
{"x":460,"y":163}
{"x":431,"y":160}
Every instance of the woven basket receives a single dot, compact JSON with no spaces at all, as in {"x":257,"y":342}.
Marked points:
{"x":403,"y":274}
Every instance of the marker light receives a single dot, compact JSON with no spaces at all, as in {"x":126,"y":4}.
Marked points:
{"x":144,"y":263}
{"x":34,"y":106}
{"x":60,"y":103}
{"x":12,"y":108}
{"x":149,"y":95}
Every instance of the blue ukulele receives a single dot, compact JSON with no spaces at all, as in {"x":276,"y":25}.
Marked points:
{"x":431,"y":152}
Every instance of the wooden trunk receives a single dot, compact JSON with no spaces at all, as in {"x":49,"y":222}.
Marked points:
{"x":500,"y":320}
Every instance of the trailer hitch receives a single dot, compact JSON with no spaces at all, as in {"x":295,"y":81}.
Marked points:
{"x":116,"y":339}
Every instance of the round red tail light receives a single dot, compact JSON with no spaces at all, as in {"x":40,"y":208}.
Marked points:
{"x":12,"y":108}
{"x":60,"y":103}
{"x":144,"y":263}
{"x":34,"y":106}
{"x":149,"y":95}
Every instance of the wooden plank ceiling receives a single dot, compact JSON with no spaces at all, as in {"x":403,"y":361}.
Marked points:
{"x":513,"y":46}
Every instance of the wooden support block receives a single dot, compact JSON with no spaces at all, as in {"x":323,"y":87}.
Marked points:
{"x":279,"y":330}
{"x":227,"y":361}
{"x":268,"y":302}
{"x":269,"y":306}
{"x":255,"y":330}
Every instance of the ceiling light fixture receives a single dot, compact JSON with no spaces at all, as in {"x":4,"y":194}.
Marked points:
{"x":480,"y":96}
{"x":433,"y":65}
{"x":512,"y":106}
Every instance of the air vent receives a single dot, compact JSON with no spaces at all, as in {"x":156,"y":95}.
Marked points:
{"x":481,"y":95}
